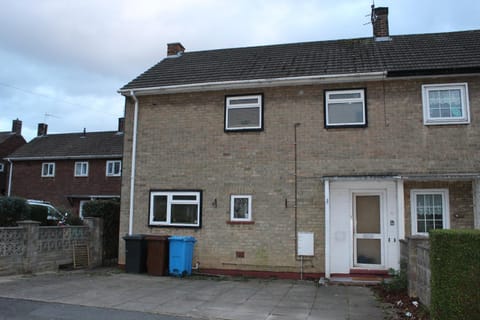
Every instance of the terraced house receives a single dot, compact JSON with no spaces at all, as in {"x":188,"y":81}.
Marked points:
{"x":313,"y":158}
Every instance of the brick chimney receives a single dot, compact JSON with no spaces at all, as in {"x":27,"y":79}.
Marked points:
{"x":380,"y":22}
{"x":121,"y":124}
{"x":17,"y":127}
{"x":42,"y":129}
{"x":175,"y":49}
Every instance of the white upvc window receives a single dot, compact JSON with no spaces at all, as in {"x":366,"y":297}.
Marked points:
{"x":81,"y":169}
{"x":244,"y":112}
{"x":445,"y":104}
{"x":114,"y":168}
{"x":241,"y":208}
{"x":345,"y":108}
{"x":2,"y":167}
{"x":175,"y":208}
{"x":48,"y":169}
{"x":429,"y":210}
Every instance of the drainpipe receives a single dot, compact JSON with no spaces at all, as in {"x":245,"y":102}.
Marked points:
{"x":132,"y":174}
{"x":10,"y":174}
{"x":327,"y":228}
{"x":295,"y":126}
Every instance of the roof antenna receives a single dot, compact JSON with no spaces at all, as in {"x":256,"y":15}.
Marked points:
{"x":49,"y":115}
{"x":372,"y":15}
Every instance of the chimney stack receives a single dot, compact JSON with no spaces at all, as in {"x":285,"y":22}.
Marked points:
{"x":380,"y":22}
{"x":121,"y":125}
{"x":175,"y":49}
{"x":42,"y":129}
{"x":17,"y":127}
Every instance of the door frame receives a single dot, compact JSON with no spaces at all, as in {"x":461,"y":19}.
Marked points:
{"x":383,"y":230}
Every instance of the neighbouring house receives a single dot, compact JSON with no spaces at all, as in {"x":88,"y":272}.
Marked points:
{"x":9,"y":142}
{"x":313,"y":157}
{"x":69,"y":169}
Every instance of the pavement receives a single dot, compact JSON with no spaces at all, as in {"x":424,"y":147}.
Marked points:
{"x":196,"y":297}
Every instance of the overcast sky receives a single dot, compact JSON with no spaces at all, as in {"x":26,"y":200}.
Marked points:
{"x":62,"y":61}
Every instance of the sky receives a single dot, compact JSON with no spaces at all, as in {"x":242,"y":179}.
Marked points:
{"x":62,"y":61}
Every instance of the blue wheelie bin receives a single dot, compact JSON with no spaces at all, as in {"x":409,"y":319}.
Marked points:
{"x":181,"y":255}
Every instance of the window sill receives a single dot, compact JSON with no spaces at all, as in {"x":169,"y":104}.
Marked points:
{"x":240,"y":222}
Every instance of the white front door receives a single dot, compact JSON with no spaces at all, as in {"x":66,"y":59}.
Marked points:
{"x":368,"y":234}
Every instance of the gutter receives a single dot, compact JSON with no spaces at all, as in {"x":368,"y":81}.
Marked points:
{"x":10,"y":174}
{"x":111,"y":156}
{"x":132,"y":173}
{"x":240,"y":84}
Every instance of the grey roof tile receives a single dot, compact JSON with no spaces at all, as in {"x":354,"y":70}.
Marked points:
{"x":92,"y":144}
{"x":436,"y":51}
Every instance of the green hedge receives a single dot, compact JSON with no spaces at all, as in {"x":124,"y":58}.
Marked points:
{"x":455,"y":270}
{"x":13,"y":209}
{"x":109,"y":210}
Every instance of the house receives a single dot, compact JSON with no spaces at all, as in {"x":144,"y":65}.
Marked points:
{"x":313,"y":158}
{"x":9,"y":142}
{"x":68,"y":169}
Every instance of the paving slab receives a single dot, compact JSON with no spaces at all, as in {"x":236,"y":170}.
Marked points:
{"x":196,"y":297}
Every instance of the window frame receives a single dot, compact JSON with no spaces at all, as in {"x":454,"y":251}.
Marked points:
{"x":463,"y":87}
{"x":113,"y":174}
{"x":413,"y":208}
{"x":169,"y":194}
{"x":259,"y":105}
{"x":327,"y":100}
{"x":83,"y":164}
{"x":48,"y":165}
{"x":232,"y":207}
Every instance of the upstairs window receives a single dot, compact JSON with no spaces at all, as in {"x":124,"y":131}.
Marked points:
{"x":48,"y":169}
{"x":81,"y":169}
{"x":241,"y":208}
{"x":175,"y":208}
{"x":114,"y":168}
{"x":445,"y":104}
{"x":345,"y":108}
{"x":244,"y":113}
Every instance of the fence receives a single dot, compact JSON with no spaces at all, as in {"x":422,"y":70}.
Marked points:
{"x":415,"y":255}
{"x":30,"y":248}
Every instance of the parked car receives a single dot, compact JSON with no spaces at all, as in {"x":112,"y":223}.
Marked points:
{"x":42,"y":209}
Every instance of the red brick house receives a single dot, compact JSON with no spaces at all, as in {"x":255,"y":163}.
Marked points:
{"x":68,"y":169}
{"x":313,"y":157}
{"x":9,"y":142}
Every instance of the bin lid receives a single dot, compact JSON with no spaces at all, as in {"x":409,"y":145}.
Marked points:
{"x":182,"y":238}
{"x":134,"y":237}
{"x":156,"y":237}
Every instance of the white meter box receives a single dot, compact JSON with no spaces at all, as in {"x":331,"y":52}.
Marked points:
{"x":305,"y":244}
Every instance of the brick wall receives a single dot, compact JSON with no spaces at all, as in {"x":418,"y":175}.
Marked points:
{"x":182,"y":145}
{"x":7,"y":147}
{"x":28,"y":183}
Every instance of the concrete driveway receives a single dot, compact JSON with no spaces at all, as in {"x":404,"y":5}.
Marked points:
{"x":197,"y":297}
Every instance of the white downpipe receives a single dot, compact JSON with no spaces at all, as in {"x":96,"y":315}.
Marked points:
{"x":132,"y":174}
{"x":10,"y":174}
{"x":400,"y":209}
{"x":327,"y":228}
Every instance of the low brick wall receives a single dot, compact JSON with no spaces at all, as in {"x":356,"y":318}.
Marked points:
{"x":415,"y":255}
{"x":31,"y":248}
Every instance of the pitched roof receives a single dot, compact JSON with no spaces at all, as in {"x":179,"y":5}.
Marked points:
{"x":5,"y":135}
{"x":72,"y":145}
{"x":402,"y":55}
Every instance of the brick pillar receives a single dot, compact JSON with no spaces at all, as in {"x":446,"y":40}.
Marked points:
{"x":95,"y":225}
{"x":31,"y":245}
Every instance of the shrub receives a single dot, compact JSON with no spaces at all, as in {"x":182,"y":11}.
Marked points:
{"x":455,"y":269}
{"x":109,"y":210}
{"x":13,"y":209}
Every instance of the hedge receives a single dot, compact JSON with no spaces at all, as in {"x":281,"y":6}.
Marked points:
{"x":455,"y":274}
{"x":109,"y":210}
{"x":13,"y":209}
